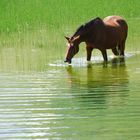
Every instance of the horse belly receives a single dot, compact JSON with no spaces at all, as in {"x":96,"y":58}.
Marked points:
{"x":113,"y":38}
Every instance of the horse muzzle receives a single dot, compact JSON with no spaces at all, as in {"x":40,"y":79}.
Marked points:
{"x":68,"y":61}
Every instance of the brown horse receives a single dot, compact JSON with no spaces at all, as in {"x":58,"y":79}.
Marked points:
{"x":109,"y":33}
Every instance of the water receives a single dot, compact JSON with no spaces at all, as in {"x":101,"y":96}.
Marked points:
{"x":41,"y":100}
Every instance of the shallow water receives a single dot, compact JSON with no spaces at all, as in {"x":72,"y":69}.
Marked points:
{"x":41,"y":100}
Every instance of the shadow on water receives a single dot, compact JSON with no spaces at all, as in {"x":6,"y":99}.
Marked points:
{"x":96,"y":87}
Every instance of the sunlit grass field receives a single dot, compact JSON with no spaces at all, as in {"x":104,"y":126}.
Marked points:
{"x":42,"y":24}
{"x":19,"y":15}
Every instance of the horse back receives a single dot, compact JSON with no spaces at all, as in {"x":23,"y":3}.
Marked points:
{"x":114,"y":21}
{"x":118,"y":23}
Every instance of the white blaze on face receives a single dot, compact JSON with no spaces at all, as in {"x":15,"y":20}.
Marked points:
{"x":69,"y":52}
{"x":68,"y":44}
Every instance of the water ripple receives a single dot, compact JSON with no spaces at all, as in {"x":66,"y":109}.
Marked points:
{"x":70,"y":103}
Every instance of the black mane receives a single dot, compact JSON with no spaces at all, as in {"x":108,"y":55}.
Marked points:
{"x":78,"y":30}
{"x":87,"y":26}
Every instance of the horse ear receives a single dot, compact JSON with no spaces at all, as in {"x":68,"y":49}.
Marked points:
{"x":67,"y":38}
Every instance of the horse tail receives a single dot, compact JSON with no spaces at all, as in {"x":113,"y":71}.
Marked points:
{"x":124,"y":26}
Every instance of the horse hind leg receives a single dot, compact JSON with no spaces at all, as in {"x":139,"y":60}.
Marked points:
{"x":121,"y":48}
{"x":115,"y":51}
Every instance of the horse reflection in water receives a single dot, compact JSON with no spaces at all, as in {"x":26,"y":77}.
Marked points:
{"x":109,"y":33}
{"x":98,"y":87}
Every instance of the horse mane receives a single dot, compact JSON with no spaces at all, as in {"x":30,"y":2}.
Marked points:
{"x":78,"y":30}
{"x":86,"y":27}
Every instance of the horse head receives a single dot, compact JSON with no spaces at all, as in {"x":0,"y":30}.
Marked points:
{"x":73,"y":47}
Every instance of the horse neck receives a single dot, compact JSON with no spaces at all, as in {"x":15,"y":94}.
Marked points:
{"x":78,"y":40}
{"x":83,"y":37}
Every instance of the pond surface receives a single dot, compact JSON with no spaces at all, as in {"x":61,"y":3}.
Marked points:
{"x":41,"y":100}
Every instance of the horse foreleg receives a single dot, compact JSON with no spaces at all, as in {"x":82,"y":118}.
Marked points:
{"x":89,"y":52}
{"x":104,"y":53}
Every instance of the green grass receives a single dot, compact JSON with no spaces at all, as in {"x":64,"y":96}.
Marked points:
{"x":28,"y":14}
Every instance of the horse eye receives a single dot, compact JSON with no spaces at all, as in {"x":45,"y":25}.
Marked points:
{"x":70,"y":45}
